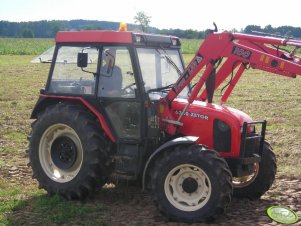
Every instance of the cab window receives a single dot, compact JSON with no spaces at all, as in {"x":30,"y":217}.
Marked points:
{"x":68,"y":77}
{"x":116,"y":73}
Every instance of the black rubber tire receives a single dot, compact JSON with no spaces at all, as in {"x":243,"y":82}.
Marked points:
{"x":211,"y":164}
{"x":264,"y":179}
{"x":92,"y":172}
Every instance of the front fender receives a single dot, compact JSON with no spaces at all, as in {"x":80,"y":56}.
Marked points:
{"x":176,"y":141}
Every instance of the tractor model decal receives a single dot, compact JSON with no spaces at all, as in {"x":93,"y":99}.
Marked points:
{"x":185,"y":76}
{"x":193,"y":115}
{"x":246,"y":54}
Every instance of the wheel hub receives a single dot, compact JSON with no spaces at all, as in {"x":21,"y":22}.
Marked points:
{"x":60,"y":153}
{"x":187,"y":187}
{"x":63,"y":152}
{"x":190,"y":185}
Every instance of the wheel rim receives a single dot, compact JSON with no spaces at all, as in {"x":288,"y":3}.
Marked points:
{"x":240,"y":182}
{"x":60,"y":153}
{"x":187,"y":187}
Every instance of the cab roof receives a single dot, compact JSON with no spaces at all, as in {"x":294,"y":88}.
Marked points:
{"x":122,"y":37}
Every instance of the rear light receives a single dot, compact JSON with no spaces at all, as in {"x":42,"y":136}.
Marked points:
{"x":250,"y":129}
{"x":174,"y":42}
{"x":138,"y":38}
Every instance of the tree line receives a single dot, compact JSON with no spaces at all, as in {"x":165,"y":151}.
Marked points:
{"x":48,"y":29}
{"x":283,"y":31}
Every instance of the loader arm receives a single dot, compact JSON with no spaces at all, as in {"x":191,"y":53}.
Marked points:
{"x":238,"y":51}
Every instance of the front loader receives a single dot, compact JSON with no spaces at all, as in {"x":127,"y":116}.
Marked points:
{"x":157,"y":128}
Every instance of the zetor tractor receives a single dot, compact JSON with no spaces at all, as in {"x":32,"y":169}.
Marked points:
{"x":120,"y":105}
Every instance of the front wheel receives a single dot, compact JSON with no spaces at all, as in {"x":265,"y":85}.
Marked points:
{"x":256,"y":184}
{"x":191,"y":184}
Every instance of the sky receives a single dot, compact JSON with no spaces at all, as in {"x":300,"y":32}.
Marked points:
{"x":189,"y":14}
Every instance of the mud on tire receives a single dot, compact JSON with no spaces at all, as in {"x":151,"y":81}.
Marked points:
{"x":262,"y":178}
{"x":67,"y":152}
{"x":191,"y":184}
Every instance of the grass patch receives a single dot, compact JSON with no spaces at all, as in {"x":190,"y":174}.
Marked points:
{"x":20,"y":206}
{"x":20,"y":85}
{"x":24,"y":46}
{"x":14,"y":135}
{"x":58,"y":210}
{"x":190,"y":46}
{"x":10,"y":199}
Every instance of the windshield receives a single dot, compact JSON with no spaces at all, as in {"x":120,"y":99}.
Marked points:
{"x":160,"y":68}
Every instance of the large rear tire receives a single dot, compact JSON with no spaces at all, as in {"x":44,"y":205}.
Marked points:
{"x":191,"y":184}
{"x":262,"y":178}
{"x":67,"y":152}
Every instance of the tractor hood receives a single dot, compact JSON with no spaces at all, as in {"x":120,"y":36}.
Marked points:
{"x":204,"y":120}
{"x":200,"y":110}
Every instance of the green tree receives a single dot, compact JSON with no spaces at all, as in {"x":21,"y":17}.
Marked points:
{"x":143,"y":20}
{"x":27,"y":33}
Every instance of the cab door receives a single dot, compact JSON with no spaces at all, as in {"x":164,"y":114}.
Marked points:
{"x":118,"y":94}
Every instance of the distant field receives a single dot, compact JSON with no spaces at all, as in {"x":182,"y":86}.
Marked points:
{"x":24,"y":46}
{"x":190,"y":46}
{"x":34,"y":46}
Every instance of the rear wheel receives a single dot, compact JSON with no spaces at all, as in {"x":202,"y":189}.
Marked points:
{"x":191,"y":184}
{"x":256,"y":184}
{"x":67,"y":152}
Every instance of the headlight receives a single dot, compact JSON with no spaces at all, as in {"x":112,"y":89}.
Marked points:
{"x":251,"y":129}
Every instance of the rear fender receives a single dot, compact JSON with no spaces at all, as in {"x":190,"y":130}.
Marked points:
{"x":162,"y":148}
{"x":46,"y":100}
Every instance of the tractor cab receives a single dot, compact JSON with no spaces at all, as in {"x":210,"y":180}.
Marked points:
{"x":115,"y":72}
{"x":119,"y":77}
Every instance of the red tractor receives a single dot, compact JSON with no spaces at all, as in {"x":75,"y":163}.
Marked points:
{"x":122,"y":106}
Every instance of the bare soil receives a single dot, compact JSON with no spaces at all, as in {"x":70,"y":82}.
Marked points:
{"x":128,"y":205}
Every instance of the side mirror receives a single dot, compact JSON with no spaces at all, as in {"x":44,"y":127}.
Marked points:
{"x":82,"y":60}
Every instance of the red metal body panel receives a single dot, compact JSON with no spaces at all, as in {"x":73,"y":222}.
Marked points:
{"x":198,"y":121}
{"x":99,"y":116}
{"x":267,"y":40}
{"x":94,"y":37}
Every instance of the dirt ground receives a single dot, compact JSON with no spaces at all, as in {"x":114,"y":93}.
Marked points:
{"x":127,"y":205}
{"x":136,"y":208}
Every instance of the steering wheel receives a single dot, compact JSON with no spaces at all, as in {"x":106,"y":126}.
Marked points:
{"x":129,"y":89}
